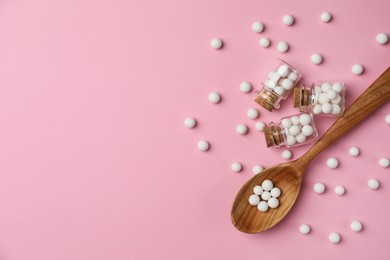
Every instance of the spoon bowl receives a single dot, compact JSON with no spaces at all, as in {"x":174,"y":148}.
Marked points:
{"x":288,"y":176}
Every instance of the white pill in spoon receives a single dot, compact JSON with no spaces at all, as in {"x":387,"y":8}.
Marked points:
{"x":254,"y":200}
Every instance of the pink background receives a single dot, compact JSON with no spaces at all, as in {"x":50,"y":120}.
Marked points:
{"x":95,"y":160}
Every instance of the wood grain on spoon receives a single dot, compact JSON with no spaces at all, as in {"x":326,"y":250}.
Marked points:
{"x":288,"y":176}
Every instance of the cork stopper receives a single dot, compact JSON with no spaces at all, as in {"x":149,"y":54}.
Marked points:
{"x":267,"y":99}
{"x":297,"y":96}
{"x":273,"y":136}
{"x":301,"y":98}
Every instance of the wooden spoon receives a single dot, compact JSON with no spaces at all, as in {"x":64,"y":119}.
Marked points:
{"x":288,"y":176}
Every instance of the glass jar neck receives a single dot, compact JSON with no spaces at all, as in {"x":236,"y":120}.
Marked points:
{"x":303,"y":98}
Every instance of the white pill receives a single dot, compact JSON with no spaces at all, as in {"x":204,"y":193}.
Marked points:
{"x":317,"y":90}
{"x":273,"y":203}
{"x":332,"y":163}
{"x":331,"y":94}
{"x":382,"y":38}
{"x":271,"y":74}
{"x":266,"y":195}
{"x":326,"y":17}
{"x":276,"y":192}
{"x":282,"y":47}
{"x":286,"y":123}
{"x":326,"y":108}
{"x":216,"y":43}
{"x":294,"y":130}
{"x":307,"y":130}
{"x":291,"y":140}
{"x":337,"y":100}
{"x":260,"y":126}
{"x":286,"y":155}
{"x":357,"y":69}
{"x":316,"y":58}
{"x":254,"y":200}
{"x":214,"y":97}
{"x":317,"y":109}
{"x":304,"y":119}
{"x":354,"y":151}
{"x":252,"y":113}
{"x":288,"y":20}
{"x":245,"y":87}
{"x":373,"y":184}
{"x":189,"y":122}
{"x":279,"y":90}
{"x":301,"y":138}
{"x":339,"y":190}
{"x":257,"y":169}
{"x":242,"y":129}
{"x":271,"y":84}
{"x":258,"y":27}
{"x":336,"y":109}
{"x":236,"y":167}
{"x":356,"y":226}
{"x":338,"y":87}
{"x":283,"y":70}
{"x":295,"y":120}
{"x":384,"y":162}
{"x":334,"y":238}
{"x":319,"y":188}
{"x":287,"y":83}
{"x":265,"y":42}
{"x":323,"y":98}
{"x":326,"y":86}
{"x":293,"y":76}
{"x":263,"y":206}
{"x":203,"y":145}
{"x":387,"y":119}
{"x":258,"y":190}
{"x":267,"y":185}
{"x":304,"y":229}
{"x":275,"y":78}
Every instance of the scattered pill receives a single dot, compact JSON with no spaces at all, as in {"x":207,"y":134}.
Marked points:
{"x":282,"y":47}
{"x":262,"y":206}
{"x":356,"y":226}
{"x":265,"y":42}
{"x":339,"y":190}
{"x":332,"y":162}
{"x":275,"y":192}
{"x":258,"y":27}
{"x":326,"y":17}
{"x":288,"y":20}
{"x":203,"y":145}
{"x":373,"y":184}
{"x":267,"y":185}
{"x":273,"y":203}
{"x":252,"y":113}
{"x":384,"y":162}
{"x":316,"y":58}
{"x":387,"y":119}
{"x":236,"y":167}
{"x":266,"y":195}
{"x":242,"y":129}
{"x":319,"y":188}
{"x":214,"y":97}
{"x":286,"y":155}
{"x":334,"y":238}
{"x":304,"y":229}
{"x":245,"y":87}
{"x":216,"y":43}
{"x":254,"y":200}
{"x":354,"y":151}
{"x":382,"y":38}
{"x":260,"y":126}
{"x":189,"y":122}
{"x":257,"y":169}
{"x":357,"y":69}
{"x":258,"y":190}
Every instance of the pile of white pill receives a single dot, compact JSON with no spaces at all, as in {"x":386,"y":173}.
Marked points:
{"x":282,"y":80}
{"x":298,"y":129}
{"x":329,"y":98}
{"x":265,"y":196}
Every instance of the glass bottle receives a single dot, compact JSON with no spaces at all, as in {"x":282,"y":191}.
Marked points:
{"x":321,"y":98}
{"x":279,"y":83}
{"x":291,"y":131}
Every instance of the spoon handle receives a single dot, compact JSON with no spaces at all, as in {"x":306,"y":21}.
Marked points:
{"x":371,"y":99}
